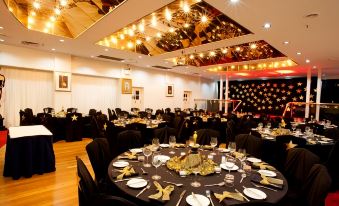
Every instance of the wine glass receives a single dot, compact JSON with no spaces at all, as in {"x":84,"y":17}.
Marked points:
{"x":196,"y":170}
{"x":294,"y":127}
{"x":147,"y":152}
{"x":172,"y":142}
{"x":156,"y":162}
{"x":232,"y":147}
{"x":268,"y":125}
{"x":214,"y":143}
{"x":260,"y":125}
{"x":242,"y":158}
{"x":307,"y":129}
{"x":191,"y":141}
{"x":149,"y":115}
{"x":230,"y":162}
{"x":155,"y":144}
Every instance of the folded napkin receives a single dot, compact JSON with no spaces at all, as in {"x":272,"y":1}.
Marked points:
{"x":311,"y":142}
{"x":269,"y":181}
{"x":232,"y":195}
{"x":180,"y":145}
{"x":207,"y":147}
{"x":126,"y":172}
{"x":162,"y":192}
{"x":131,"y":156}
{"x":263,"y":166}
{"x":237,"y":154}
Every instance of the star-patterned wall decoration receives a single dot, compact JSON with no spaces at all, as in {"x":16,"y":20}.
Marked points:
{"x":269,"y":96}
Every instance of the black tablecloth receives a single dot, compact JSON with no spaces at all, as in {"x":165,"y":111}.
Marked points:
{"x":26,"y":156}
{"x":168,"y":175}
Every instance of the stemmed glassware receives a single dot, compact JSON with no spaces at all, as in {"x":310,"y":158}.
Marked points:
{"x":294,"y":127}
{"x":156,"y":162}
{"x":260,"y":125}
{"x":172,"y":142}
{"x":230,"y":162}
{"x":155,"y":144}
{"x":268,"y":125}
{"x":242,"y":158}
{"x":232,"y":147}
{"x":147,"y":152}
{"x":214,"y":143}
{"x":196,"y":170}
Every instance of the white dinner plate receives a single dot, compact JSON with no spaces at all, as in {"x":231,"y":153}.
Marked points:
{"x":120,"y":164}
{"x":267,"y":173}
{"x":199,"y":200}
{"x":163,"y":158}
{"x":234,"y":168}
{"x":253,"y":160}
{"x":255,"y":193}
{"x":269,"y":138}
{"x":164,"y":145}
{"x":326,"y":139}
{"x":136,"y":183}
{"x":136,"y":150}
{"x":223,"y":150}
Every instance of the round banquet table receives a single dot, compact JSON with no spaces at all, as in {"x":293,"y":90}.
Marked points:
{"x":172,"y":176}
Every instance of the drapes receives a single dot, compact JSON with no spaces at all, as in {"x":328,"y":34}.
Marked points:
{"x":25,"y":89}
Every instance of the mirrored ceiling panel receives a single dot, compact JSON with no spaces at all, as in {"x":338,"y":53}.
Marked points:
{"x":179,"y":25}
{"x":67,"y":18}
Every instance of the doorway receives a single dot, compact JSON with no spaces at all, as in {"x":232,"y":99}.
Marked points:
{"x":138,"y":98}
{"x":187,"y":99}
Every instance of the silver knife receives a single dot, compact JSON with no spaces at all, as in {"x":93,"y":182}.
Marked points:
{"x":196,"y":199}
{"x":242,"y":195}
{"x":126,"y":179}
{"x":143,"y":190}
{"x":181,"y":196}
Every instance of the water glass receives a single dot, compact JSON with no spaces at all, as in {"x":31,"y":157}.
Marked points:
{"x":155,"y":144}
{"x":172,"y":142}
{"x":229,"y":180}
{"x":214,"y":143}
{"x":232,"y":146}
{"x":247,"y":169}
{"x":230,"y":163}
{"x":147,"y":152}
{"x":156,"y":162}
{"x":268,"y":125}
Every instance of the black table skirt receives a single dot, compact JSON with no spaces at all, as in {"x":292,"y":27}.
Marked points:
{"x":168,"y":175}
{"x":26,"y":156}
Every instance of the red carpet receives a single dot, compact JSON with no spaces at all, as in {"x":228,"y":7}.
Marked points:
{"x":332,"y":199}
{"x":3,"y":137}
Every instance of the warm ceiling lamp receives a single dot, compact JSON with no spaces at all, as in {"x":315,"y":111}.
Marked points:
{"x":52,"y":18}
{"x":36,"y":5}
{"x":204,"y":19}
{"x":224,"y":51}
{"x":191,"y":56}
{"x":238,"y":49}
{"x":186,"y":8}
{"x":63,"y":2}
{"x":30,"y":20}
{"x":114,"y":40}
{"x":168,"y":15}
{"x":285,"y":71}
{"x":138,"y":42}
{"x":33,"y":13}
{"x":212,"y":53}
{"x":57,"y":11}
{"x":171,"y":30}
{"x":141,"y":27}
{"x":253,"y":46}
{"x":154,"y":20}
{"x":242,"y":74}
{"x":201,"y":55}
{"x":186,"y":25}
{"x":130,"y":45}
{"x":234,"y":1}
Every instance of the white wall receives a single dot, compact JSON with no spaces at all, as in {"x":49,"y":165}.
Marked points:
{"x":153,"y":81}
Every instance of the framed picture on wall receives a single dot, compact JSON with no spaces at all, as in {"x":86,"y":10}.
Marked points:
{"x":126,"y":86}
{"x":63,"y":81}
{"x":170,"y":90}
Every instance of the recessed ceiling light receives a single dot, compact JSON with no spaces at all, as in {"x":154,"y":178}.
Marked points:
{"x":1,"y":27}
{"x":106,"y":49}
{"x":267,"y":25}
{"x":314,"y":67}
{"x":140,"y":57}
{"x":1,"y":40}
{"x":166,"y":62}
{"x":286,"y":42}
{"x":148,"y":66}
{"x":53,"y":49}
{"x":298,"y":53}
{"x":234,"y":1}
{"x":61,"y":40}
{"x":92,"y":56}
{"x":307,"y":61}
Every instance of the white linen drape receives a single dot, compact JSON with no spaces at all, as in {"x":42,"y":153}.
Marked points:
{"x":25,"y":89}
{"x":93,"y":93}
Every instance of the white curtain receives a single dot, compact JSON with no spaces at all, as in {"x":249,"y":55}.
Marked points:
{"x":93,"y":93}
{"x":25,"y":89}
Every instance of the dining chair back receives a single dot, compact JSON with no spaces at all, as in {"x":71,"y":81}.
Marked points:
{"x":204,"y":136}
{"x":127,"y":140}
{"x":252,"y":144}
{"x":164,"y":133}
{"x":333,"y":166}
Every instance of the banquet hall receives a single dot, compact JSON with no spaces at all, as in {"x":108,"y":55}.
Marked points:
{"x":171,"y":102}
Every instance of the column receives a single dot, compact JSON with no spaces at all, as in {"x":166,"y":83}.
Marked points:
{"x":319,"y":86}
{"x":220,"y":92}
{"x":226,"y":94}
{"x":308,"y":92}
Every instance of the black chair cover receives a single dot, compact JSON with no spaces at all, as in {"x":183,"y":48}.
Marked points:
{"x":230,"y":131}
{"x":48,"y":110}
{"x":46,"y":120}
{"x":332,"y":133}
{"x":117,"y":111}
{"x":142,"y":114}
{"x":73,"y":127}
{"x":332,"y":165}
{"x":177,"y":122}
{"x":72,"y":110}
{"x":92,"y":112}
{"x":204,"y":136}
{"x":148,"y":110}
{"x":185,"y":131}
{"x":163,"y":134}
{"x":252,"y":144}
{"x":127,"y":140}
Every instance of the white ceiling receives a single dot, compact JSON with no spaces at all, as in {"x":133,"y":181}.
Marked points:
{"x":316,"y":38}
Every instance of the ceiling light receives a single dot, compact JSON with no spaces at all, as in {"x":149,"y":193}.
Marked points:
{"x":134,"y":27}
{"x":314,"y":67}
{"x":212,"y":53}
{"x":30,"y":20}
{"x":186,"y":25}
{"x":36,"y":5}
{"x":29,"y":26}
{"x":286,"y":42}
{"x":46,"y":30}
{"x":141,"y":28}
{"x":204,"y":19}
{"x":148,"y":66}
{"x":57,"y":11}
{"x":48,"y":25}
{"x":186,"y":8}
{"x":201,"y":55}
{"x":148,"y":38}
{"x":253,"y":46}
{"x":130,"y":32}
{"x":154,"y":20}
{"x":139,"y":57}
{"x":168,"y":14}
{"x":224,"y":51}
{"x":191,"y":56}
{"x":234,"y":1}
{"x":238,"y":49}
{"x":114,"y":40}
{"x":232,"y":67}
{"x":138,"y":42}
{"x":92,"y":56}
{"x":106,"y":49}
{"x":307,"y":61}
{"x":1,"y":40}
{"x":159,"y":35}
{"x":122,"y":36}
{"x":53,"y":49}
{"x":52,"y":18}
{"x":298,"y":53}
{"x":285,"y":71}
{"x":130,"y":45}
{"x":33,"y":13}
{"x":267,"y":25}
{"x":61,"y":40}
{"x":63,"y":2}
{"x":171,"y":30}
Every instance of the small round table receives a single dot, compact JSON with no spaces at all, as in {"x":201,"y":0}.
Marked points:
{"x":172,"y":176}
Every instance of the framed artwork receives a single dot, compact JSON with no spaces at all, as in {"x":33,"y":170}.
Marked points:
{"x":63,"y":81}
{"x":170,"y":90}
{"x":126,"y":86}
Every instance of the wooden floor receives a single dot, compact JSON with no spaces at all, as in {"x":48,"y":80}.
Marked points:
{"x":56,"y":188}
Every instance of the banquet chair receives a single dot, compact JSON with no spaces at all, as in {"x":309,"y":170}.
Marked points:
{"x":167,"y":110}
{"x":24,"y":120}
{"x":117,"y":111}
{"x":159,"y":112}
{"x":88,"y":192}
{"x":214,"y":123}
{"x":72,"y":110}
{"x":48,"y":110}
{"x":299,"y":162}
{"x":177,"y":122}
{"x":99,"y":155}
{"x":333,"y":166}
{"x":332,"y":133}
{"x":255,"y":133}
{"x":204,"y":136}
{"x":46,"y":120}
{"x":73,"y":127}
{"x":92,"y":112}
{"x":185,"y":131}
{"x":163,"y":134}
{"x":149,"y":110}
{"x":252,"y":144}
{"x":29,"y":116}
{"x":127,"y":140}
{"x":230,"y":131}
{"x":142,"y":114}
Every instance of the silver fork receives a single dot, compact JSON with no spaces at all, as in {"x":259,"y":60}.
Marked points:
{"x":143,"y":190}
{"x":208,"y":194}
{"x":217,"y":184}
{"x":264,"y":187}
{"x":143,"y":171}
{"x":176,"y":184}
